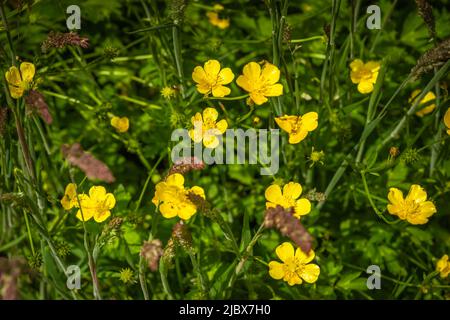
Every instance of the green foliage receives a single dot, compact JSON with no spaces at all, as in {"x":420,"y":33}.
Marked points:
{"x":137,"y":48}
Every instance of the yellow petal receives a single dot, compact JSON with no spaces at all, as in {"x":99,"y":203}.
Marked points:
{"x":199,"y":75}
{"x":71,"y":190}
{"x":365,"y":87}
{"x":110,"y":201}
{"x":427,"y":209}
{"x":416,"y":193}
{"x":292,"y":190}
{"x":252,"y":72}
{"x":426,"y":110}
{"x":97,"y":193}
{"x":414,"y":94}
{"x":374,"y":77}
{"x":416,"y":219}
{"x":293,"y":280}
{"x":222,"y":125}
{"x":373,"y":66}
{"x":175,"y":179}
{"x":286,"y":122}
{"x":276,"y":270}
{"x":210,"y":114}
{"x":168,"y":210}
{"x":270,"y":74}
{"x":309,"y":121}
{"x":258,"y":98}
{"x":187,"y":211}
{"x":87,"y":214}
{"x":395,"y":196}
{"x":274,"y":90}
{"x":285,"y":251}
{"x":355,"y":77}
{"x":102,"y":216}
{"x":16,"y":92}
{"x":220,"y":91}
{"x":212,"y":68}
{"x":13,"y":76}
{"x":245,"y":83}
{"x":196,"y":135}
{"x":210,"y":141}
{"x":428,"y":97}
{"x":356,"y":64}
{"x":197,"y":119}
{"x":198,"y":191}
{"x":273,"y":193}
{"x":225,"y":76}
{"x":298,"y":136}
{"x":27,"y":70}
{"x":204,"y":88}
{"x":447,"y":118}
{"x":303,"y":257}
{"x":310,"y":273}
{"x":302,"y":207}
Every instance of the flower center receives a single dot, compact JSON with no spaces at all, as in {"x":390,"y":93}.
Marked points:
{"x":292,"y":267}
{"x":364,"y":73}
{"x":411,"y":207}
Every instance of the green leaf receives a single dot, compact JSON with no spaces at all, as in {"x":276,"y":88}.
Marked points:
{"x":221,"y":279}
{"x":346,"y":281}
{"x":246,"y":235}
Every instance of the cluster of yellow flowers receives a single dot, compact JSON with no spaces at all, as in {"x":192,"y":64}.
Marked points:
{"x":97,"y":204}
{"x":295,"y":267}
{"x":172,"y":198}
{"x":366,"y":74}
{"x":259,"y":82}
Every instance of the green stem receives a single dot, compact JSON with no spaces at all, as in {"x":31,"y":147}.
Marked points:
{"x":228,"y":98}
{"x":178,"y":57}
{"x":30,"y":238}
{"x":379,"y":214}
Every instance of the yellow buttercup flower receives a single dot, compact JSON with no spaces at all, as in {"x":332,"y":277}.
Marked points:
{"x":447,"y":120}
{"x":295,"y":267}
{"x":298,"y":126}
{"x":216,"y":21}
{"x":428,"y":97}
{"x":172,"y":197}
{"x":260,"y":83}
{"x":289,"y":198}
{"x":414,"y":208}
{"x":120,"y":124}
{"x":206,"y":128}
{"x":72,"y":200}
{"x":97,"y":205}
{"x":69,"y":200}
{"x":364,"y":74}
{"x":19,"y":82}
{"x":443,"y":266}
{"x":211,"y":79}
